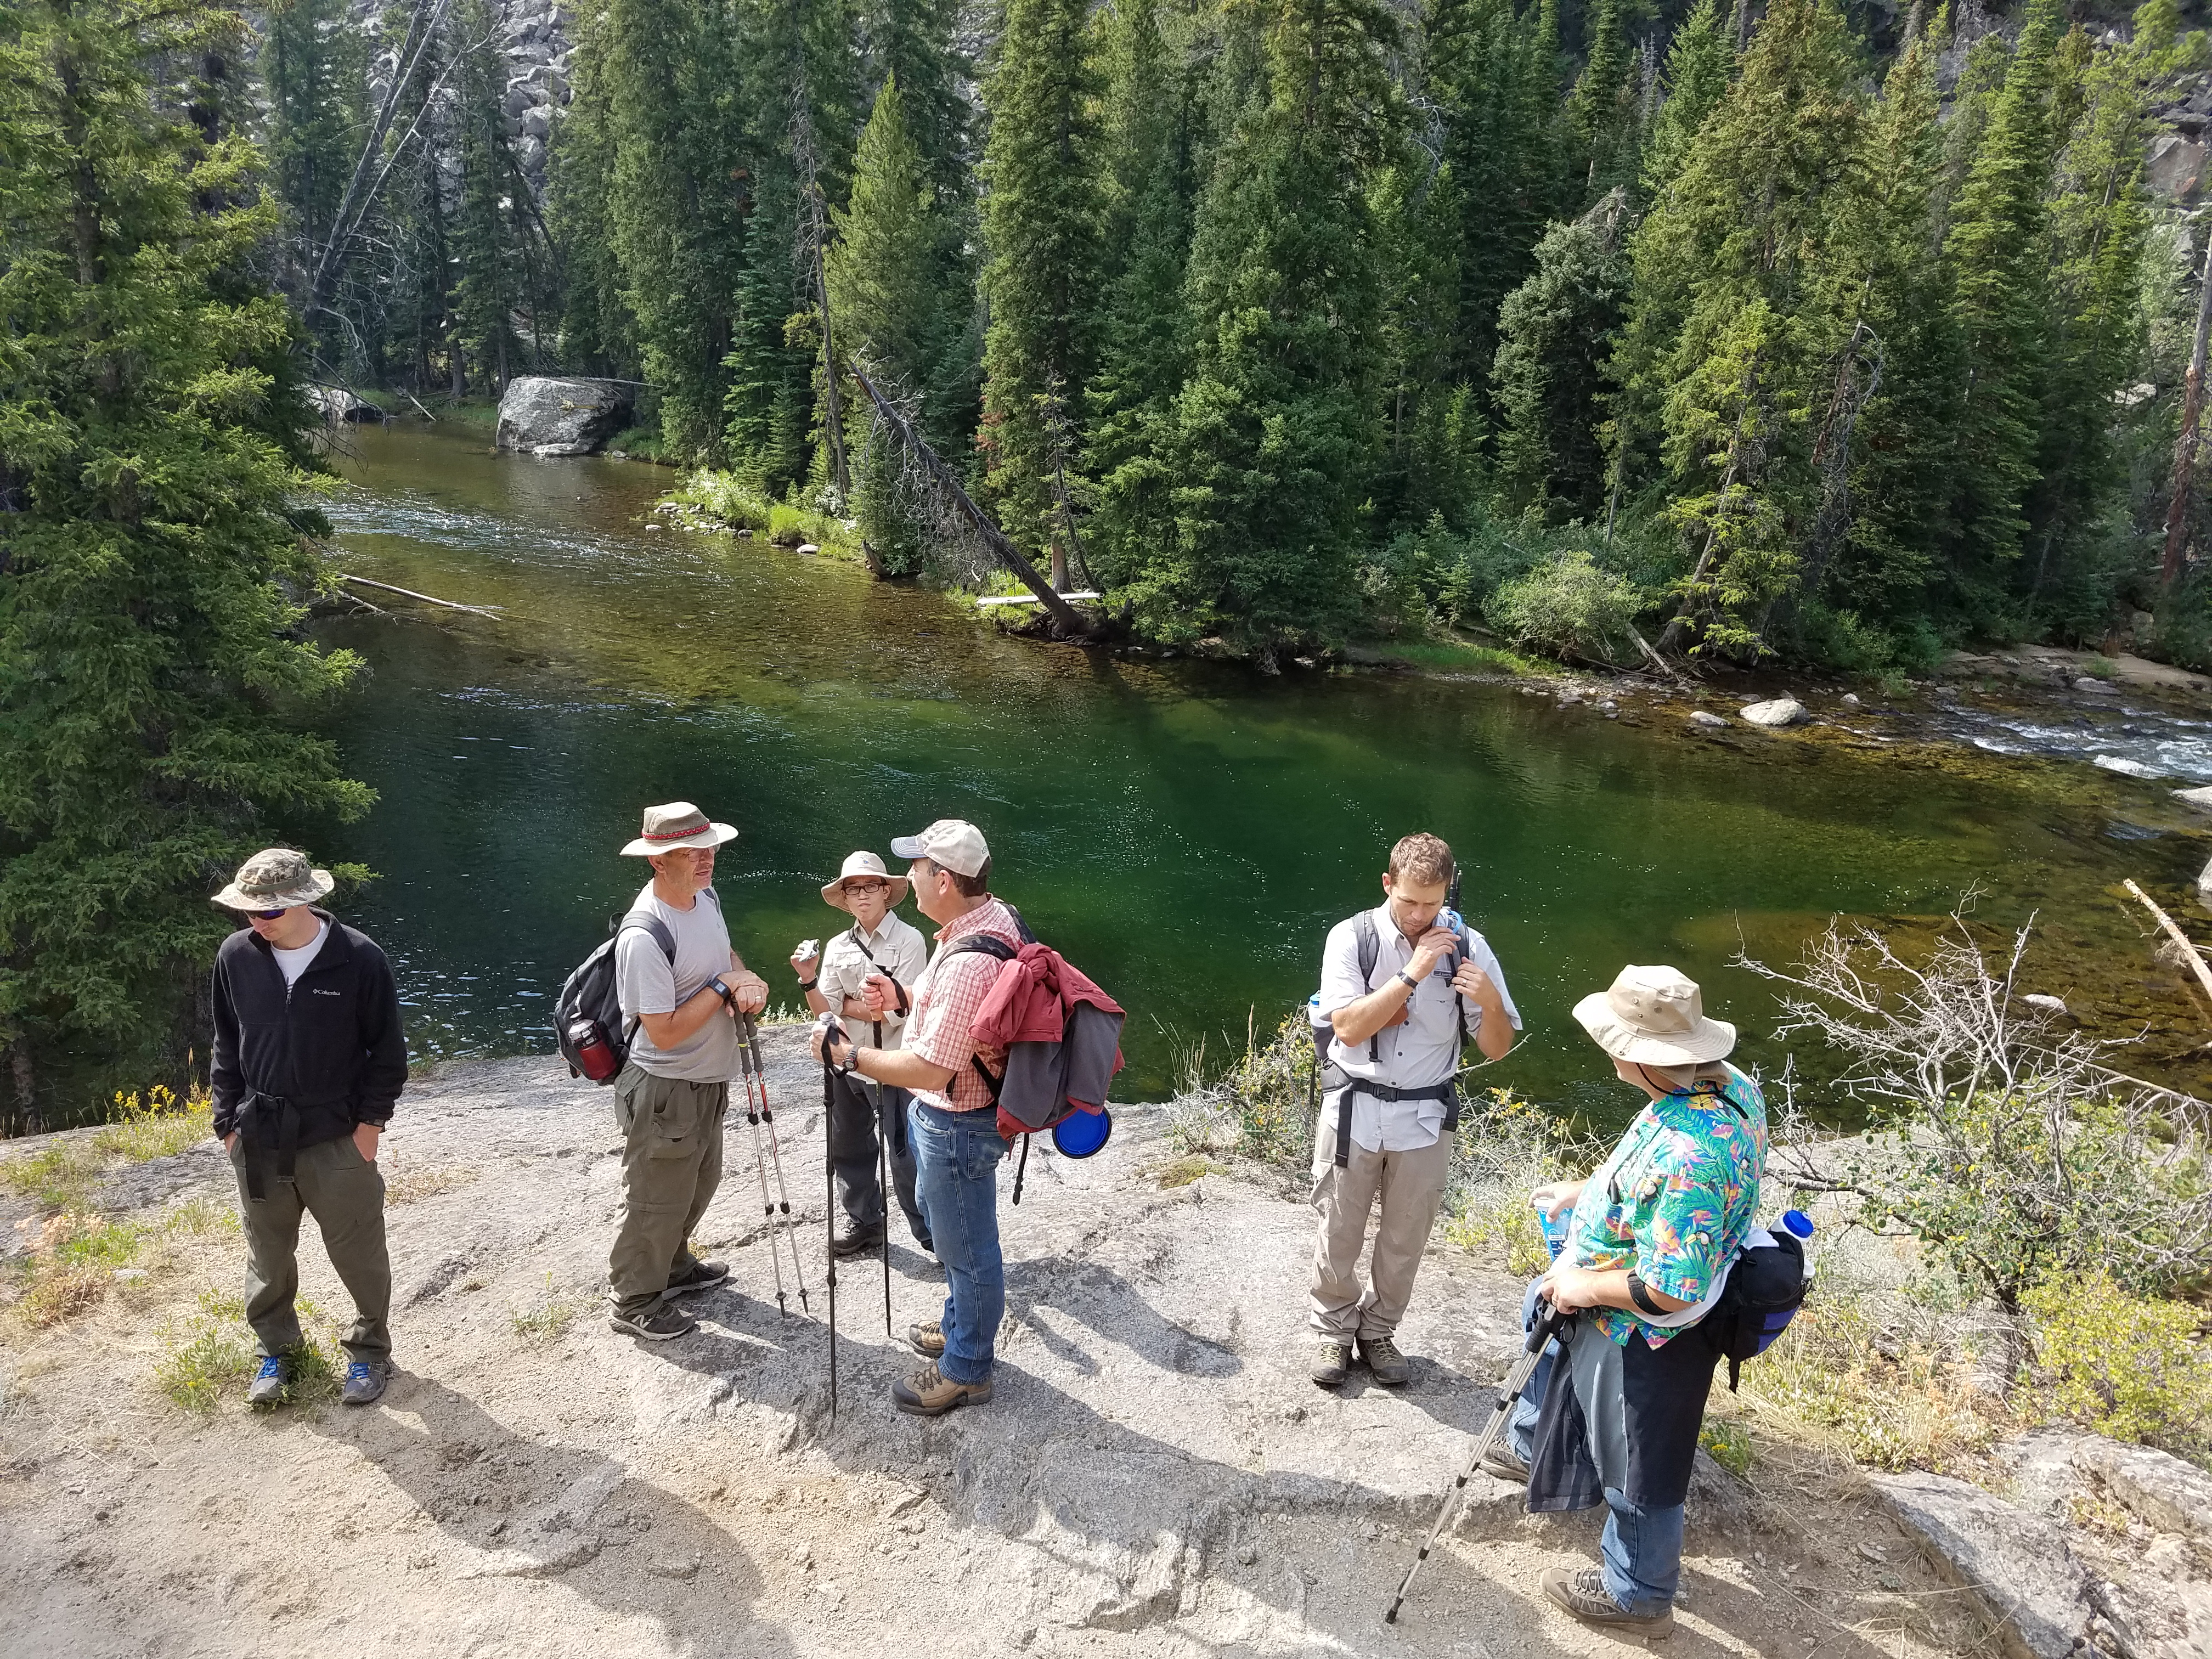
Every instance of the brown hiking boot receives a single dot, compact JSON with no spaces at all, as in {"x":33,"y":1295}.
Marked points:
{"x":926,"y":1338}
{"x":1332,"y":1363}
{"x":1582,"y":1591}
{"x":1391,"y":1369}
{"x":930,"y":1393}
{"x":1501,"y":1462}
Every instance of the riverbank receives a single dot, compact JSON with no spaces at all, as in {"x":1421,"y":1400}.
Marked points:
{"x":1155,"y":1476}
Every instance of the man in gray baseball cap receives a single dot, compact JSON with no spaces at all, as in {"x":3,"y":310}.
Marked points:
{"x":309,"y":1060}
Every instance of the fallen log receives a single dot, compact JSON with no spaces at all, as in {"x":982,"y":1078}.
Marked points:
{"x":427,"y":599}
{"x":2190,"y":952}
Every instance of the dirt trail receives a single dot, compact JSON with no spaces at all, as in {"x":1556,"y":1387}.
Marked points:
{"x":1155,"y":1476}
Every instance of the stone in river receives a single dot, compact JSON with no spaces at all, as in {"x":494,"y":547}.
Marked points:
{"x":2200,"y":797}
{"x":542,"y":414}
{"x":2050,"y":1005}
{"x":1781,"y":711}
{"x":2126,"y":768}
{"x":1850,"y":699}
{"x":1705,"y":717}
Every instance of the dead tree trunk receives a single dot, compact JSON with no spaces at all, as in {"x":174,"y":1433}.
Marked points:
{"x":813,"y":234}
{"x":2184,"y":446}
{"x":27,"y":1119}
{"x":1071,"y":621}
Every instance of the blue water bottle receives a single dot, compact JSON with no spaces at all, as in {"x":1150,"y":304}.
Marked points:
{"x":1799,"y":1226}
{"x":1554,"y":1227}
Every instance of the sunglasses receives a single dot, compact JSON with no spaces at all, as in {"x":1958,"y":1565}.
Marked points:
{"x":269,"y":915}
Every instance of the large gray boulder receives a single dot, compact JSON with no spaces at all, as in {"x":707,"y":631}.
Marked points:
{"x":1779,"y":711}
{"x":542,"y":414}
{"x":2016,"y":1565}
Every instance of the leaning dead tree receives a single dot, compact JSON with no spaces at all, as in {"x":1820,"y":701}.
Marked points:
{"x":2185,"y":445}
{"x":812,"y":239}
{"x":1069,"y":623}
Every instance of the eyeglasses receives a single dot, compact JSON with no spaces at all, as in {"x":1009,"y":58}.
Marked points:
{"x":269,"y":915}
{"x":868,"y":887}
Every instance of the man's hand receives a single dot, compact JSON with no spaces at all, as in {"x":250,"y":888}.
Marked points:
{"x":364,"y":1137}
{"x":1557,"y":1195}
{"x":837,"y":1053}
{"x":1431,"y":948}
{"x":799,"y":965}
{"x":750,"y":990}
{"x":1476,"y":986}
{"x":880,"y":995}
{"x":1571,"y":1289}
{"x":230,"y":1141}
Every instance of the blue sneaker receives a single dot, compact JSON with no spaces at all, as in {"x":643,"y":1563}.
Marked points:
{"x":267,"y":1388}
{"x":364,"y":1382}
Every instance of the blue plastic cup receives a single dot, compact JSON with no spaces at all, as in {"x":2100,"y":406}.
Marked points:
{"x":1554,"y":1227}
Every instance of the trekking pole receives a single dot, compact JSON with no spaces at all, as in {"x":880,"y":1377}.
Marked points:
{"x":1548,"y":1320}
{"x":884,"y":1179}
{"x":745,"y":1061}
{"x":829,"y":1227}
{"x":748,"y":1033}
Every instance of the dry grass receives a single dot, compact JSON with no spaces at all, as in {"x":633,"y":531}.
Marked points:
{"x":412,"y":1182}
{"x":80,"y":1256}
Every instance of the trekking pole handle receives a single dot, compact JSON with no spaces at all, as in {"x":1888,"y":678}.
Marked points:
{"x":1548,"y":1320}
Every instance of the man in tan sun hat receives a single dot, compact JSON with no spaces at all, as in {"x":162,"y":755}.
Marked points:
{"x":1653,"y":1235}
{"x":865,"y":976}
{"x":674,"y":1089}
{"x":309,"y":1060}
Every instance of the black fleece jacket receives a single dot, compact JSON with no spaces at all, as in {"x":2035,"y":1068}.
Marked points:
{"x":331,"y":1045}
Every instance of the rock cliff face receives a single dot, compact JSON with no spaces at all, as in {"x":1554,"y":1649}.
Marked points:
{"x":535,"y":38}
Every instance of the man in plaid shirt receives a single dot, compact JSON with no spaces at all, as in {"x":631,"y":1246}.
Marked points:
{"x":953,"y":1123}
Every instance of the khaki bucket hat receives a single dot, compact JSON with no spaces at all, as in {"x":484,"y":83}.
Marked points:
{"x":865,"y":864}
{"x":679,"y":823}
{"x":1654,"y":1017}
{"x":275,"y":879}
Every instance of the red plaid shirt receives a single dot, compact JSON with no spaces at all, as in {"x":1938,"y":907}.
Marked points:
{"x":946,"y":1000}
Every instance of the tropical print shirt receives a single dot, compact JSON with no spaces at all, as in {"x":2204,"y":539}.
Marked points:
{"x":1675,"y":1199}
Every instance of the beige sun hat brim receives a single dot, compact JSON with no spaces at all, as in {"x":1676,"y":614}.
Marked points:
{"x":320,"y":885}
{"x":834,"y":894}
{"x":713,"y":836}
{"x":1711,"y":1039}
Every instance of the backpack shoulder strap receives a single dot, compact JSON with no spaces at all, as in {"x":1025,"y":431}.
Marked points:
{"x":646,"y":922}
{"x":989,"y":945}
{"x":1022,"y":929}
{"x":1370,"y":952}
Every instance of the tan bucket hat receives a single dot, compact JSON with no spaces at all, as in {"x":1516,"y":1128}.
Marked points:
{"x":1654,"y":1017}
{"x":865,"y":864}
{"x":679,"y":823}
{"x":276,"y":878}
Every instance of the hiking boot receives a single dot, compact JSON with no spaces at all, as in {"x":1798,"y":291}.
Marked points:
{"x":1391,"y":1369}
{"x":703,"y":1276}
{"x":1332,"y":1364}
{"x":856,"y":1240}
{"x":930,"y":1393}
{"x":927,"y":1339}
{"x":267,"y":1388}
{"x":1500,"y":1461}
{"x":1582,"y":1591}
{"x":655,"y":1324}
{"x":365,"y":1382}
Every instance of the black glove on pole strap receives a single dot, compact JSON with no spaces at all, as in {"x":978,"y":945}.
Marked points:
{"x":829,"y":1225}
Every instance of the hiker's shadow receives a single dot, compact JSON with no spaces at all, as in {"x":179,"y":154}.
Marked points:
{"x":1114,"y":1310}
{"x":506,"y":1506}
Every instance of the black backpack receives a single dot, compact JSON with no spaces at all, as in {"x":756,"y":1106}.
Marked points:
{"x":1328,"y":1077}
{"x":1765,"y":1289}
{"x":587,"y":1020}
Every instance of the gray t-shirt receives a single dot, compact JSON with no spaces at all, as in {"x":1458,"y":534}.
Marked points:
{"x":647,"y":984}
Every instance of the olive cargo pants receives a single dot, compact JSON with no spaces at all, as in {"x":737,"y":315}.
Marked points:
{"x":344,"y":1191}
{"x":1410,"y":1188}
{"x":671,"y":1164}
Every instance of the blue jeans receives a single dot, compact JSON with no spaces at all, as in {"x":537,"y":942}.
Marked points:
{"x":956,"y":1157}
{"x":1642,"y":1548}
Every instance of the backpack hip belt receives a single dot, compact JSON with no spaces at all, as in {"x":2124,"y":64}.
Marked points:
{"x":1446,"y":1091}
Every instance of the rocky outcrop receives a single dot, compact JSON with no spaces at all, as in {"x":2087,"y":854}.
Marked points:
{"x":337,"y":404}
{"x":543,"y":415}
{"x":2014,"y":1564}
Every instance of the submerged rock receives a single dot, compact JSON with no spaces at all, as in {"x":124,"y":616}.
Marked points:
{"x":1707,"y":718}
{"x":2200,"y":799}
{"x":1780,"y":711}
{"x":2126,"y":768}
{"x":542,"y":414}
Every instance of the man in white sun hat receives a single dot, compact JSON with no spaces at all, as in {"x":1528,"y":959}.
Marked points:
{"x":674,"y":1089}
{"x":953,"y":1120}
{"x":309,"y":1061}
{"x":1653,"y":1233}
{"x":866,"y":976}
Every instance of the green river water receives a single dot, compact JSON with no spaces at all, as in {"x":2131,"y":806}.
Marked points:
{"x":1187,"y":831}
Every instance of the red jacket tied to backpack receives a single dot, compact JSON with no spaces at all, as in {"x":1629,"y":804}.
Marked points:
{"x":1035,"y":1000}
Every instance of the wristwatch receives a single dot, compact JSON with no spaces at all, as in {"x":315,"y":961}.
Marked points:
{"x":809,"y":984}
{"x":723,"y":991}
{"x":1408,"y":980}
{"x":850,"y":1062}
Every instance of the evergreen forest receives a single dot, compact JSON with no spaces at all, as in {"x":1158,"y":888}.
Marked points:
{"x":1799,"y":330}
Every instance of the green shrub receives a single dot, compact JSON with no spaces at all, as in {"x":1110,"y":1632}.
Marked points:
{"x":1262,"y":1109}
{"x":2135,"y":1368}
{"x":1569,"y":607}
{"x":158,"y":1124}
{"x":1508,"y":1147}
{"x":205,"y":1355}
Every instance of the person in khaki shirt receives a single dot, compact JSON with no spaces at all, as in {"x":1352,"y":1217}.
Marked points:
{"x":879,"y":947}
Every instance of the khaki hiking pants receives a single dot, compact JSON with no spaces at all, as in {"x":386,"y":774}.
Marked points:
{"x":671,"y":1164}
{"x":1410,"y":1186}
{"x":343,"y":1191}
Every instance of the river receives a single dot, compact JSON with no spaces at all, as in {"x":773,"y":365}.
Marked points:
{"x":1186,"y":831}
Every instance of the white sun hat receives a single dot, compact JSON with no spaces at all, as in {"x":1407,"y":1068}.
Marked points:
{"x":1654,"y":1017}
{"x":679,"y":823}
{"x":865,"y":864}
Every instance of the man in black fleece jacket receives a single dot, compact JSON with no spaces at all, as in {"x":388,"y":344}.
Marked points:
{"x":309,"y":1060}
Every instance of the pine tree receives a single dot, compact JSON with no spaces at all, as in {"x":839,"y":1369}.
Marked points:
{"x":599,"y":335}
{"x":1557,"y":330}
{"x":884,"y":306}
{"x":497,"y":253}
{"x":1699,"y":60}
{"x":1041,"y":225}
{"x":1276,"y":438}
{"x":1604,"y":111}
{"x":315,"y":62}
{"x":153,"y":491}
{"x":1143,"y":330}
{"x":1997,"y":250}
